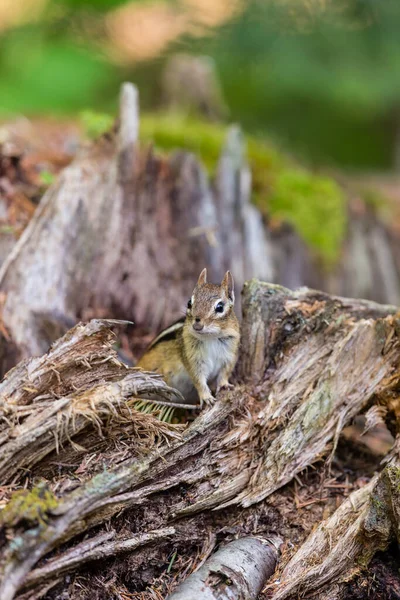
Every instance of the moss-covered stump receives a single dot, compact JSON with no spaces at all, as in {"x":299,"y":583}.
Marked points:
{"x":332,"y":232}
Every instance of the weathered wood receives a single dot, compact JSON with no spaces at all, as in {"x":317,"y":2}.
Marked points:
{"x":314,"y":383}
{"x":310,"y":362}
{"x":239,"y":223}
{"x":78,"y":385}
{"x":370,"y":268}
{"x":96,"y":548}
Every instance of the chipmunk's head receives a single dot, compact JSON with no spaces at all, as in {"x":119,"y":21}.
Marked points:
{"x":210,"y":309}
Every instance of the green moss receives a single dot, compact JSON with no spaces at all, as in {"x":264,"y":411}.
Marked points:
{"x":393,"y":473}
{"x":317,"y":410}
{"x":95,"y":123}
{"x":206,"y":140}
{"x":315,"y":206}
{"x":176,"y":132}
{"x":29,"y":505}
{"x":46,"y":177}
{"x":377,"y":504}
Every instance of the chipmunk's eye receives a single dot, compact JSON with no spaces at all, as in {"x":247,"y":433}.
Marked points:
{"x":220,"y":307}
{"x":189,"y":304}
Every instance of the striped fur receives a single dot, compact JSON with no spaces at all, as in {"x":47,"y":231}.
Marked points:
{"x":168,"y":334}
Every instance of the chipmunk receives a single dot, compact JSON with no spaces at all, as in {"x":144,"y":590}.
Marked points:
{"x":202,"y":348}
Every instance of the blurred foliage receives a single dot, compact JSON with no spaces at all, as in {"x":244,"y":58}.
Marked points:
{"x":324,"y":80}
{"x":174,"y":131}
{"x":42,"y":74}
{"x":320,"y":76}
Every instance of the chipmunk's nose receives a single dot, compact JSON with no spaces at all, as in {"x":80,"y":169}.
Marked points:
{"x":198,"y":325}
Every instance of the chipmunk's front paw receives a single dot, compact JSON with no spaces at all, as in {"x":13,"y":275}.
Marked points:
{"x":207,"y":401}
{"x":224,"y":385}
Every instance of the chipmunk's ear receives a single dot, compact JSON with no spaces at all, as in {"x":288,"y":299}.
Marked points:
{"x":228,"y":285}
{"x":202,"y":278}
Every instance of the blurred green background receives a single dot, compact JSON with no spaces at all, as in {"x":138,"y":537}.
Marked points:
{"x":320,"y":76}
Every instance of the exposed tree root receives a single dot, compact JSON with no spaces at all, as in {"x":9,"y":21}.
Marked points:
{"x":96,"y":548}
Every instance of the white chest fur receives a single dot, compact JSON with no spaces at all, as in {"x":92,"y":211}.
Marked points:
{"x":212,"y":354}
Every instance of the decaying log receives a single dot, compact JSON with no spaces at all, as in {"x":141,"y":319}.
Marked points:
{"x":321,"y":382}
{"x":309,"y":363}
{"x":237,"y":571}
